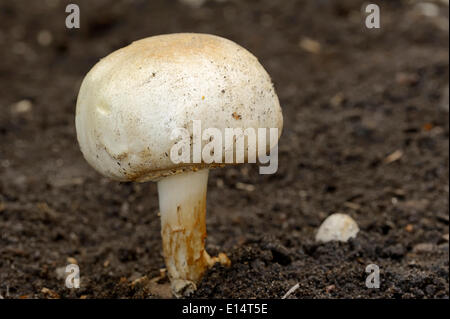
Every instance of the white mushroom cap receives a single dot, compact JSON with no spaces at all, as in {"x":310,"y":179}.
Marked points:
{"x":132,"y":100}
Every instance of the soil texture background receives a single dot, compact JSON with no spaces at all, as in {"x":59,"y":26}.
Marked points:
{"x":365,"y":133}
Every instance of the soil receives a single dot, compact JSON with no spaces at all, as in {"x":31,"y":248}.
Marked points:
{"x":365,"y":133}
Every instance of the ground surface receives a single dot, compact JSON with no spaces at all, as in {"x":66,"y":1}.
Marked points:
{"x":348,"y":103}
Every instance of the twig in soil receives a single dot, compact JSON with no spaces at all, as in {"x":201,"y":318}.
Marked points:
{"x":310,"y":45}
{"x":291,"y":291}
{"x":393,"y":157}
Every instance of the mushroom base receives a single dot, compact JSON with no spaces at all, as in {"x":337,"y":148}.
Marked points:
{"x":182,"y":202}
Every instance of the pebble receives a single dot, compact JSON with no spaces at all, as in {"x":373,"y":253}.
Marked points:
{"x":337,"y":227}
{"x":50,"y":293}
{"x":310,"y":45}
{"x":395,"y":156}
{"x":245,"y":187}
{"x":23,"y":106}
{"x":423,"y":248}
{"x":337,"y":100}
{"x":280,"y":253}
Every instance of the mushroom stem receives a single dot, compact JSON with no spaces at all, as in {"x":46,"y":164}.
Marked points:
{"x":182,"y":202}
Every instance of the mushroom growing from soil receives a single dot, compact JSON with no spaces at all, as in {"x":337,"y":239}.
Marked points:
{"x":132,"y":101}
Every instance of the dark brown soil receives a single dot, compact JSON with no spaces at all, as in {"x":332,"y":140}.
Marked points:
{"x":363,"y":96}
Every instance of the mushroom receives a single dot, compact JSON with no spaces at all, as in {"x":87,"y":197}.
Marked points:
{"x":132,"y":101}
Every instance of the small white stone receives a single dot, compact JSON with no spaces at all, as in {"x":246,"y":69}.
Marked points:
{"x":23,"y":106}
{"x":337,"y":227}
